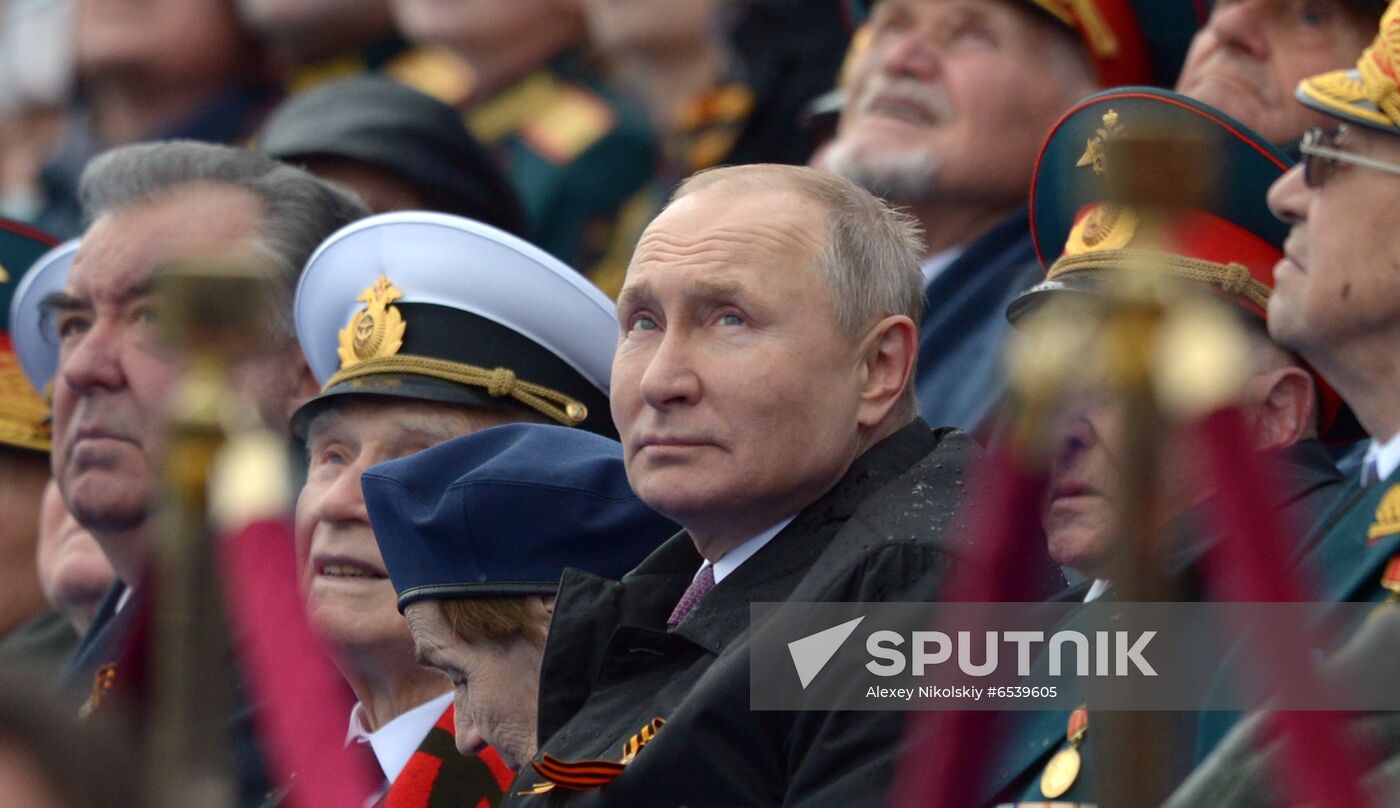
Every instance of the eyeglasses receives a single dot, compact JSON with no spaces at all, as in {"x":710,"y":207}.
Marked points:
{"x":1321,"y":157}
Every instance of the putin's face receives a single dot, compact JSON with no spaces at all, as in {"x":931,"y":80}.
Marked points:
{"x":349,"y":596}
{"x":1251,"y":54}
{"x":734,"y":391}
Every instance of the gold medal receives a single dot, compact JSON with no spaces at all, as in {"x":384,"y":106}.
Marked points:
{"x":1063,"y":769}
{"x":1060,"y":773}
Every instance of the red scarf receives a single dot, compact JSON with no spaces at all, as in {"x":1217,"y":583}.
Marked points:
{"x":438,"y":776}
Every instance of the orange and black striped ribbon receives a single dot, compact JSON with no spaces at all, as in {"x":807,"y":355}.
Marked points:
{"x":582,"y":775}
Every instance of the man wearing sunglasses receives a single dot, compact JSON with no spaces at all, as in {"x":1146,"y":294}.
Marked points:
{"x":1336,"y":302}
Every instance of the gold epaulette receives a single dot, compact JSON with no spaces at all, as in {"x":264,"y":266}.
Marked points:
{"x":314,"y":75}
{"x":1387,"y":521}
{"x":559,"y":120}
{"x":23,"y":412}
{"x":434,"y":71}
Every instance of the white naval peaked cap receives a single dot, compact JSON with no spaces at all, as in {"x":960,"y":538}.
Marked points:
{"x":443,"y":308}
{"x":34,"y":339}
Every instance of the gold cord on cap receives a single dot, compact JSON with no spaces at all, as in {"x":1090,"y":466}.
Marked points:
{"x":1233,"y":279}
{"x":498,"y":383}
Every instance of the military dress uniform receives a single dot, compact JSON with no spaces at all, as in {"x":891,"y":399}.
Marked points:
{"x":1362,"y":534}
{"x":708,"y":128}
{"x":23,"y":413}
{"x":575,"y":150}
{"x":783,"y":54}
{"x":1229,"y":245}
{"x":392,"y":56}
{"x":1021,"y":770}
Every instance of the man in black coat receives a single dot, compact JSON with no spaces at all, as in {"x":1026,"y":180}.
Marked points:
{"x":761,"y":388}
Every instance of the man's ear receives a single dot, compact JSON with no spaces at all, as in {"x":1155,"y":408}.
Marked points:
{"x":1286,"y":410}
{"x":547,"y":604}
{"x":887,"y":367}
{"x":304,"y":386}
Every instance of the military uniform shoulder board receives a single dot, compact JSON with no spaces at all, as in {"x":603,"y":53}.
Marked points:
{"x":567,"y":128}
{"x":434,"y":71}
{"x":1387,"y":521}
{"x":314,"y":75}
{"x":503,"y":114}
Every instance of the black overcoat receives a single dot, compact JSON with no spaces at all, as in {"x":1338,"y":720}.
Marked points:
{"x":886,"y":532}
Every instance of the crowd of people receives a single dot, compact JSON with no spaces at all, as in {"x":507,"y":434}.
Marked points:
{"x":567,"y":330}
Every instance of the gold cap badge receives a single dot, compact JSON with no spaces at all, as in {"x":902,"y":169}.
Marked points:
{"x":1094,"y":150}
{"x":375,"y":330}
{"x":1106,"y":227}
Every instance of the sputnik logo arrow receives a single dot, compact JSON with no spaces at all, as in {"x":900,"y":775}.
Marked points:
{"x":811,"y":653}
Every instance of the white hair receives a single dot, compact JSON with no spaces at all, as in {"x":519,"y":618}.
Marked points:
{"x":298,"y":210}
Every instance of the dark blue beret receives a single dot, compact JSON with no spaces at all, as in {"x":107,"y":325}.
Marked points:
{"x":503,"y":512}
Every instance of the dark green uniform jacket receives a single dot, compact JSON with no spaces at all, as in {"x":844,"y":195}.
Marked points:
{"x":1308,"y":484}
{"x":1242,"y":771}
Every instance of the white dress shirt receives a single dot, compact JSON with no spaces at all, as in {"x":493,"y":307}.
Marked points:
{"x":1385,"y":456}
{"x":732,"y":559}
{"x":395,"y":742}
